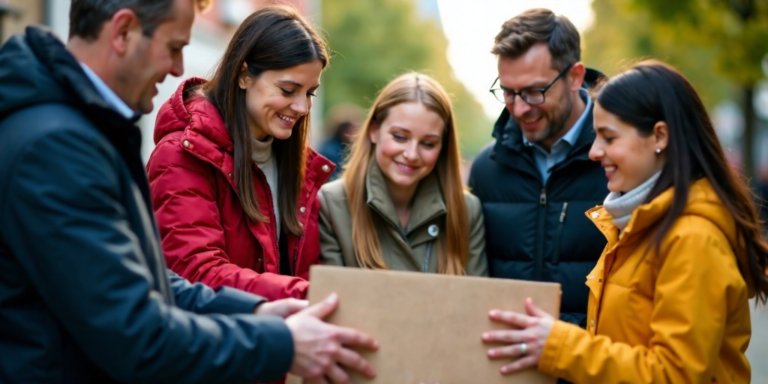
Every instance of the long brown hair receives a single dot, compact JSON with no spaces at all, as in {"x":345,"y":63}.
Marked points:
{"x":453,"y":243}
{"x":275,"y":37}
{"x":653,"y":91}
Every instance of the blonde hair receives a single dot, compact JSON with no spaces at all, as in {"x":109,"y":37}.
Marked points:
{"x":453,"y":243}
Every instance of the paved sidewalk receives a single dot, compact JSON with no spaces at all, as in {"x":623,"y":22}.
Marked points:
{"x":758,"y":346}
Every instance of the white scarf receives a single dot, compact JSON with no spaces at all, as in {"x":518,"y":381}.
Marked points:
{"x":621,"y":206}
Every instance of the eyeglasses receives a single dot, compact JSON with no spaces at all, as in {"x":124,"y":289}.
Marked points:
{"x":530,"y":96}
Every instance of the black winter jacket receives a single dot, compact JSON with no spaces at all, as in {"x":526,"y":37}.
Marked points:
{"x":84,"y":292}
{"x":539,"y":232}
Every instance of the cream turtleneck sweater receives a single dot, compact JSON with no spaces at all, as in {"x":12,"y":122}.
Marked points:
{"x":262,"y":156}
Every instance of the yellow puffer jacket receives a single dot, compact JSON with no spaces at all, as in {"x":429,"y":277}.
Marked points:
{"x":678,"y":317}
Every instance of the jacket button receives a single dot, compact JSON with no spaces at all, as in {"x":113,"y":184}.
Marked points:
{"x":433,"y":230}
{"x":592,"y":324}
{"x":326,"y":168}
{"x":260,"y":260}
{"x":303,"y":210}
{"x":186,"y":144}
{"x":230,"y":175}
{"x":595,"y":215}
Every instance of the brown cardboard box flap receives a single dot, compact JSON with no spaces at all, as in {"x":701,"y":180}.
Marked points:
{"x":428,"y":325}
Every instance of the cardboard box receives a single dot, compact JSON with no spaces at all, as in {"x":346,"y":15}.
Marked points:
{"x":428,"y":325}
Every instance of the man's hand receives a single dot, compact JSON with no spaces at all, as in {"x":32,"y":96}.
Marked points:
{"x":282,"y":308}
{"x":321,"y":349}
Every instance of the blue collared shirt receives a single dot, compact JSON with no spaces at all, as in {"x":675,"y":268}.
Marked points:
{"x":108,"y":94}
{"x":545,"y":160}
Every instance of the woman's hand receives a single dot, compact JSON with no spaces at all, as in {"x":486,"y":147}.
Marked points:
{"x":525,"y":344}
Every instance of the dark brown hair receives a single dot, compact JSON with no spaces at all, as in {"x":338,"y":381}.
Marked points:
{"x":274,"y":37}
{"x":535,"y":26}
{"x":87,"y":17}
{"x":653,"y":91}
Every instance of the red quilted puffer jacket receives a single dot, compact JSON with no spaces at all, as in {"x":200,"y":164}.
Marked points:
{"x":206,"y":235}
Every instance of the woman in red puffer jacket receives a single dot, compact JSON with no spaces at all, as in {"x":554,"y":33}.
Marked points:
{"x":233,"y":181}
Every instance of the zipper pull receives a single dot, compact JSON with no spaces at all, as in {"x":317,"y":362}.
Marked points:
{"x":543,"y":197}
{"x":562,"y":214}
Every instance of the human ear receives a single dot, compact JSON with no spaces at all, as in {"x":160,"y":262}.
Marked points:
{"x":661,"y":135}
{"x":123,"y":26}
{"x":576,"y":76}
{"x":242,"y":80}
{"x":373,"y":132}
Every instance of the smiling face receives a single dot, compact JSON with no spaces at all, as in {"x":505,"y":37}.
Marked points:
{"x":408,"y":144}
{"x":148,"y":60}
{"x":629,"y":158}
{"x":544,"y":123}
{"x":277,"y":98}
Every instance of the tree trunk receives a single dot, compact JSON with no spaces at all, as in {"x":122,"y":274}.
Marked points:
{"x":750,"y":131}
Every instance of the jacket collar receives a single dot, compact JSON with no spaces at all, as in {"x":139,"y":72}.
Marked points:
{"x":702,"y":201}
{"x":70,"y":78}
{"x":428,"y":202}
{"x":511,"y":150}
{"x":195,"y":114}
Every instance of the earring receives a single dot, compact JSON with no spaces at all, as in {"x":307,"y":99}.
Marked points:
{"x":658,"y":151}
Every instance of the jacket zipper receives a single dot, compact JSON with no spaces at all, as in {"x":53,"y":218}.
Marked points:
{"x":556,"y":249}
{"x":296,"y":255}
{"x":538,"y":267}
{"x":425,"y":267}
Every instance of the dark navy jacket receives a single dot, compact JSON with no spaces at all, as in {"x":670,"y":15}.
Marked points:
{"x":85,"y":296}
{"x":535,"y":231}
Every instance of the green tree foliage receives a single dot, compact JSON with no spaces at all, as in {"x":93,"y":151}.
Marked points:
{"x":720,"y":45}
{"x":374,"y":41}
{"x":623,"y":34}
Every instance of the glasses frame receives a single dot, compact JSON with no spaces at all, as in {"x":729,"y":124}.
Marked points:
{"x":506,"y":93}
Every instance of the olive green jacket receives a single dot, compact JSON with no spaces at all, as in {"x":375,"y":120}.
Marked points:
{"x":404,"y":249}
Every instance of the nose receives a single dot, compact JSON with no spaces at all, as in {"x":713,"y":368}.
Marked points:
{"x":177,"y":69}
{"x":517,"y":106}
{"x":596,"y":153}
{"x":301,"y":106}
{"x":411,"y":151}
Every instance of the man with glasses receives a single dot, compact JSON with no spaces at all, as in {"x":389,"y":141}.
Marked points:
{"x":536,"y":180}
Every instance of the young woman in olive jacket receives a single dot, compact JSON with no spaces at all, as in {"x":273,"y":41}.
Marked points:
{"x":400,"y":203}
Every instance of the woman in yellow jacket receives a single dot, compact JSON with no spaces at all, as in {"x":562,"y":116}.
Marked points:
{"x":669,"y":296}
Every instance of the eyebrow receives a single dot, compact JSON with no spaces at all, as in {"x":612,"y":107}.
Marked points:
{"x":601,"y":129}
{"x":535,"y":86}
{"x":296,"y":84}
{"x":409,"y":131}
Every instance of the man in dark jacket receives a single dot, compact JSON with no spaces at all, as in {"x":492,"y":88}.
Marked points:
{"x":536,"y":180}
{"x":85,"y":296}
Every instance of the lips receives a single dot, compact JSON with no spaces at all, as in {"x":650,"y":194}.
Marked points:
{"x":286,"y":118}
{"x":609,"y":170}
{"x":405,"y":168}
{"x":529,"y":124}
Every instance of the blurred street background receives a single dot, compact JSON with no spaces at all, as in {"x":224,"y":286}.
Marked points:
{"x":720,"y":45}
